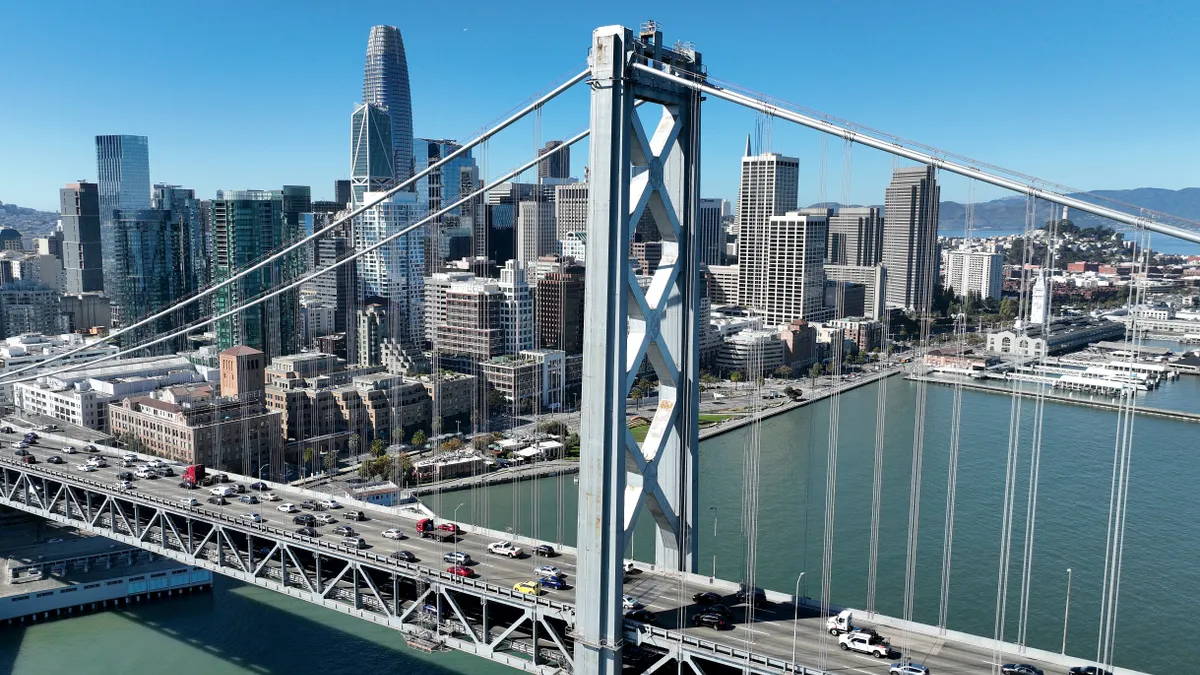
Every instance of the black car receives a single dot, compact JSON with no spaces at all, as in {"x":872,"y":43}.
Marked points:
{"x":545,"y":550}
{"x":345,"y":531}
{"x":248,"y":499}
{"x":54,"y":459}
{"x":1089,"y":670}
{"x":187,"y":485}
{"x":406,"y":556}
{"x":706,"y":598}
{"x":643,"y":615}
{"x":759,"y":595}
{"x":220,"y":501}
{"x":712,"y":620}
{"x":259,"y":485}
{"x":239,"y":488}
{"x":7,"y":430}
{"x":1020,"y":669}
{"x":165,"y":471}
{"x":304,"y":519}
{"x":124,"y":475}
{"x":308,"y":504}
{"x":718,"y":609}
{"x":89,"y":448}
{"x":307,"y":532}
{"x":20,"y":452}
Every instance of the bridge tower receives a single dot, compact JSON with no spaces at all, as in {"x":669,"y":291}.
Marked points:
{"x":644,"y":159}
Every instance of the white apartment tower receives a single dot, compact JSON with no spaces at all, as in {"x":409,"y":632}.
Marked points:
{"x":394,"y":271}
{"x":910,"y":237}
{"x":769,"y":188}
{"x":787,"y":255}
{"x":975,"y":272}
{"x":570,"y":208}
{"x":536,"y":234}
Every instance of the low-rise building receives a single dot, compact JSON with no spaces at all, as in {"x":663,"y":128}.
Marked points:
{"x":1060,"y":335}
{"x":22,"y":351}
{"x":452,"y":393}
{"x":548,"y":378}
{"x":753,"y":353}
{"x":866,"y":333}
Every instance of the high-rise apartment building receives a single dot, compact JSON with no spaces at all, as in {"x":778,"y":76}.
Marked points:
{"x":82,"y":257}
{"x":336,"y":288}
{"x":478,"y":318}
{"x":385,"y":83}
{"x":194,"y":240}
{"x":977,"y":272}
{"x":372,"y":331}
{"x":710,"y":231}
{"x":123,"y":177}
{"x":769,"y":187}
{"x":855,"y":236}
{"x":873,"y":279}
{"x":246,"y":225}
{"x":558,"y":304}
{"x":394,"y":271}
{"x":557,"y":165}
{"x":570,"y":208}
{"x":371,"y":157}
{"x":535,"y":230}
{"x":910,"y":237}
{"x":151,"y":268}
{"x":781,"y":272}
{"x":441,"y":188}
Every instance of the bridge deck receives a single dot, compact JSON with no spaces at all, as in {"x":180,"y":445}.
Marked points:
{"x":668,"y":596}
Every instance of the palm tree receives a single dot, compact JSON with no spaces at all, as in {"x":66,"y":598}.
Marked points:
{"x":309,"y":454}
{"x":735,"y":377}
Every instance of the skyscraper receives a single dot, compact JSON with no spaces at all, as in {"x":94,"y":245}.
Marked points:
{"x":710,"y":231}
{"x":855,"y":237}
{"x":910,"y":237}
{"x":371,"y":158}
{"x":123,"y":177}
{"x":394,"y":271}
{"x":82,"y":258}
{"x":246,"y":225}
{"x":570,"y":208}
{"x":535,"y":230}
{"x":557,"y":165}
{"x":770,"y":185}
{"x":192,"y":230}
{"x":341,"y":191}
{"x":781,"y":271}
{"x":439,"y":189}
{"x":151,"y":255}
{"x":385,"y":83}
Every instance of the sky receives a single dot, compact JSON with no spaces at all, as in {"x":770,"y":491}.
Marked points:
{"x":257,"y":95}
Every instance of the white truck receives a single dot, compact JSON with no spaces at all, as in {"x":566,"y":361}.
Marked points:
{"x":866,"y":642}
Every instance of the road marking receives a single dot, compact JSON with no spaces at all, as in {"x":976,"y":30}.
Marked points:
{"x":752,"y":630}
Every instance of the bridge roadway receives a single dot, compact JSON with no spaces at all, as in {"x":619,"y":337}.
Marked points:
{"x":772,"y":630}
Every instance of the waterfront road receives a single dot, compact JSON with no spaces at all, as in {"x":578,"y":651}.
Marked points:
{"x":770,"y":630}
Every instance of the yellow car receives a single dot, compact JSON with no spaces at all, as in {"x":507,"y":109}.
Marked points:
{"x":528,"y":588}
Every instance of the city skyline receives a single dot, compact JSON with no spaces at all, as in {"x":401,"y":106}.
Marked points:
{"x":308,"y":145}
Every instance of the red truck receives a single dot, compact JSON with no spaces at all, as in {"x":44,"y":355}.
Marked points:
{"x":426,"y":528}
{"x":194,"y":474}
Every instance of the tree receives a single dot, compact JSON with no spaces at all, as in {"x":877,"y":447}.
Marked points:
{"x":309,"y":454}
{"x":707,"y":377}
{"x":637,"y":395}
{"x":330,"y":461}
{"x":378,"y":448}
{"x":783,"y":372}
{"x":496,"y":400}
{"x":814,"y":372}
{"x":553,"y":427}
{"x":453,"y":444}
{"x":572,"y":445}
{"x":355,"y":444}
{"x":419,"y":439}
{"x":735,"y":377}
{"x":1008,"y":309}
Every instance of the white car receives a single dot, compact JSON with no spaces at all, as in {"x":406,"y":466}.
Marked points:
{"x":866,"y":643}
{"x":20,"y":444}
{"x":504,"y":548}
{"x":393,"y":533}
{"x":98,"y":462}
{"x":145,"y":472}
{"x":87,"y":467}
{"x":547,"y":571}
{"x":253,"y":517}
{"x":221,"y":491}
{"x":129,"y":457}
{"x":287,"y":508}
{"x":124,"y":485}
{"x":69,"y":450}
{"x":155,"y":463}
{"x":330,"y":504}
{"x":270,"y":497}
{"x":189,"y":501}
{"x":629,"y":602}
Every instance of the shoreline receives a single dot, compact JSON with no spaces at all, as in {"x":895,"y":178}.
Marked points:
{"x":1059,"y":398}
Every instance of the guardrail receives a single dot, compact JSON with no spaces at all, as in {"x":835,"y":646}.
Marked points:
{"x":733,"y":653}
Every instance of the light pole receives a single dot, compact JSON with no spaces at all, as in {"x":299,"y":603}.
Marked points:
{"x":456,"y":534}
{"x":1066,"y":611}
{"x":796,"y":615}
{"x":714,"y":511}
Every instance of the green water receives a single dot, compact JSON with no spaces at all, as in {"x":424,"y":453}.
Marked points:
{"x":241,"y":629}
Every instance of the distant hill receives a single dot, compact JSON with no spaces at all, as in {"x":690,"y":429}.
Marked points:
{"x":1008,"y":213}
{"x":29,"y":222}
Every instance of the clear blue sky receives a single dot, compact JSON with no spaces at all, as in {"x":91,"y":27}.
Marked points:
{"x":256,"y":95}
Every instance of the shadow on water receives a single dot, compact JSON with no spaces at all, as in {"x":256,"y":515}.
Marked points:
{"x":236,"y":629}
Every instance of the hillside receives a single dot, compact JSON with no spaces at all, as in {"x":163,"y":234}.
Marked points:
{"x":29,"y":222}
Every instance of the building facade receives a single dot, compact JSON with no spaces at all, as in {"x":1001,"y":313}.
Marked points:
{"x":371,"y":157}
{"x":395,"y":270}
{"x":781,"y":270}
{"x":710,"y":231}
{"x":977,"y":272}
{"x":855,"y":237}
{"x":556,"y":165}
{"x":385,"y":83}
{"x":910,"y":237}
{"x":83,"y":260}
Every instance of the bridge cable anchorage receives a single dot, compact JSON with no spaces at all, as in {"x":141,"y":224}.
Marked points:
{"x":466,"y":147}
{"x":935,"y":159}
{"x":267,"y":295}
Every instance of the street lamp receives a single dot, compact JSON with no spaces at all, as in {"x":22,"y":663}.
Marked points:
{"x":1066,"y":611}
{"x":714,"y":511}
{"x":456,"y":534}
{"x":796,"y":615}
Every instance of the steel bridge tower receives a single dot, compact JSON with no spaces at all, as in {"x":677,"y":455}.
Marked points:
{"x":636,"y":169}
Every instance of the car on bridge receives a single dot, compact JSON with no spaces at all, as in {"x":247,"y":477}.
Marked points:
{"x":394,"y":533}
{"x":287,"y":508}
{"x":124,"y":475}
{"x":54,"y":459}
{"x":304,"y":519}
{"x":325,"y":519}
{"x":308,"y":504}
{"x":908,"y":669}
{"x":504,"y":548}
{"x":248,"y":499}
{"x":259,"y":486}
{"x":714,"y":620}
{"x":124,"y":485}
{"x":557,"y":583}
{"x":457,"y":557}
{"x":643,"y":615}
{"x":146,"y":472}
{"x":20,"y":449}
{"x":221,"y":491}
{"x":1020,"y":669}
{"x":528,"y":588}
{"x":344,"y":530}
{"x":630,"y":602}
{"x":548,"y":571}
{"x":356,"y":516}
{"x":330,"y":504}
{"x":406,"y":556}
{"x":1088,"y":670}
{"x":545,"y":550}
{"x":218,"y":500}
{"x":187,"y":485}
{"x":189,"y":501}
{"x":270,"y":497}
{"x":460,"y":571}
{"x":86,"y":467}
{"x":69,"y":450}
{"x":307,"y":532}
{"x":252,"y":517}
{"x":707,"y":598}
{"x":758,"y":595}
{"x":98,"y":462}
{"x":867,"y":643}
